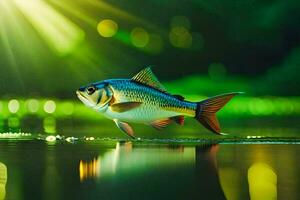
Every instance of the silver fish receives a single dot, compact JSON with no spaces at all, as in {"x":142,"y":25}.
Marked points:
{"x":143,"y":99}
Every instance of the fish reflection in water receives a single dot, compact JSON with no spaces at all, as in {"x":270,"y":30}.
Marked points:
{"x":88,"y":170}
{"x":125,"y":159}
{"x":207,"y":178}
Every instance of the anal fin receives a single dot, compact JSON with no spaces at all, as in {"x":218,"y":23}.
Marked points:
{"x":125,"y":127}
{"x":178,"y":119}
{"x":160,"y":124}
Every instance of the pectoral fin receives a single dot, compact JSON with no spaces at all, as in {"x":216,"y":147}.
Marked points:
{"x":123,"y":107}
{"x":160,"y":124}
{"x":125,"y":127}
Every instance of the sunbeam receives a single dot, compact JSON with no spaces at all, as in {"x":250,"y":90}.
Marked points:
{"x":6,"y":18}
{"x":59,"y":33}
{"x":75,"y":11}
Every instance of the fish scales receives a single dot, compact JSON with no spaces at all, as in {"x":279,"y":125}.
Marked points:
{"x":155,"y":104}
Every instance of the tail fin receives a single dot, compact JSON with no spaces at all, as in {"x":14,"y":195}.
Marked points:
{"x":206,"y":111}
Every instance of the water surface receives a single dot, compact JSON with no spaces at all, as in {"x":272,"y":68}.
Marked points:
{"x":34,"y":169}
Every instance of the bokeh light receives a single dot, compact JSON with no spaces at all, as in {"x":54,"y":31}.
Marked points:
{"x":107,"y":28}
{"x":49,"y":106}
{"x":51,"y":138}
{"x":32,"y":105}
{"x":180,"y":37}
{"x":13,"y":106}
{"x":139,"y":37}
{"x":67,"y":108}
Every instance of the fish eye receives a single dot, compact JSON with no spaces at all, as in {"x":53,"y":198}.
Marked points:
{"x":90,"y":90}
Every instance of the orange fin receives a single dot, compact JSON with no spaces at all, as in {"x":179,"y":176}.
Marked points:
{"x":160,"y":124}
{"x":125,"y":127}
{"x":178,"y":119}
{"x":206,"y":111}
{"x":123,"y":107}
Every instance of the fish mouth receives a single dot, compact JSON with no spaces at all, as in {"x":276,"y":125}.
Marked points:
{"x":79,"y":95}
{"x":86,"y":101}
{"x":83,"y":99}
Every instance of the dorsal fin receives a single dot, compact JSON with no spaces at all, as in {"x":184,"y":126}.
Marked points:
{"x":147,"y":77}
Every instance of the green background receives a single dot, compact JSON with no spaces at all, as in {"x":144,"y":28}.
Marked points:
{"x":198,"y":49}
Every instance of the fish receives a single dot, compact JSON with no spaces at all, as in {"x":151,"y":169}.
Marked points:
{"x":143,"y":99}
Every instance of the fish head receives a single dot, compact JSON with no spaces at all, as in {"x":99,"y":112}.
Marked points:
{"x":95,"y":95}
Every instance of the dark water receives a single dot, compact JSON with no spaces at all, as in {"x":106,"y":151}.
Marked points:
{"x":124,"y":170}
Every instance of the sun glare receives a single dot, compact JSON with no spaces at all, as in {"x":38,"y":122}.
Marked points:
{"x":59,"y":33}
